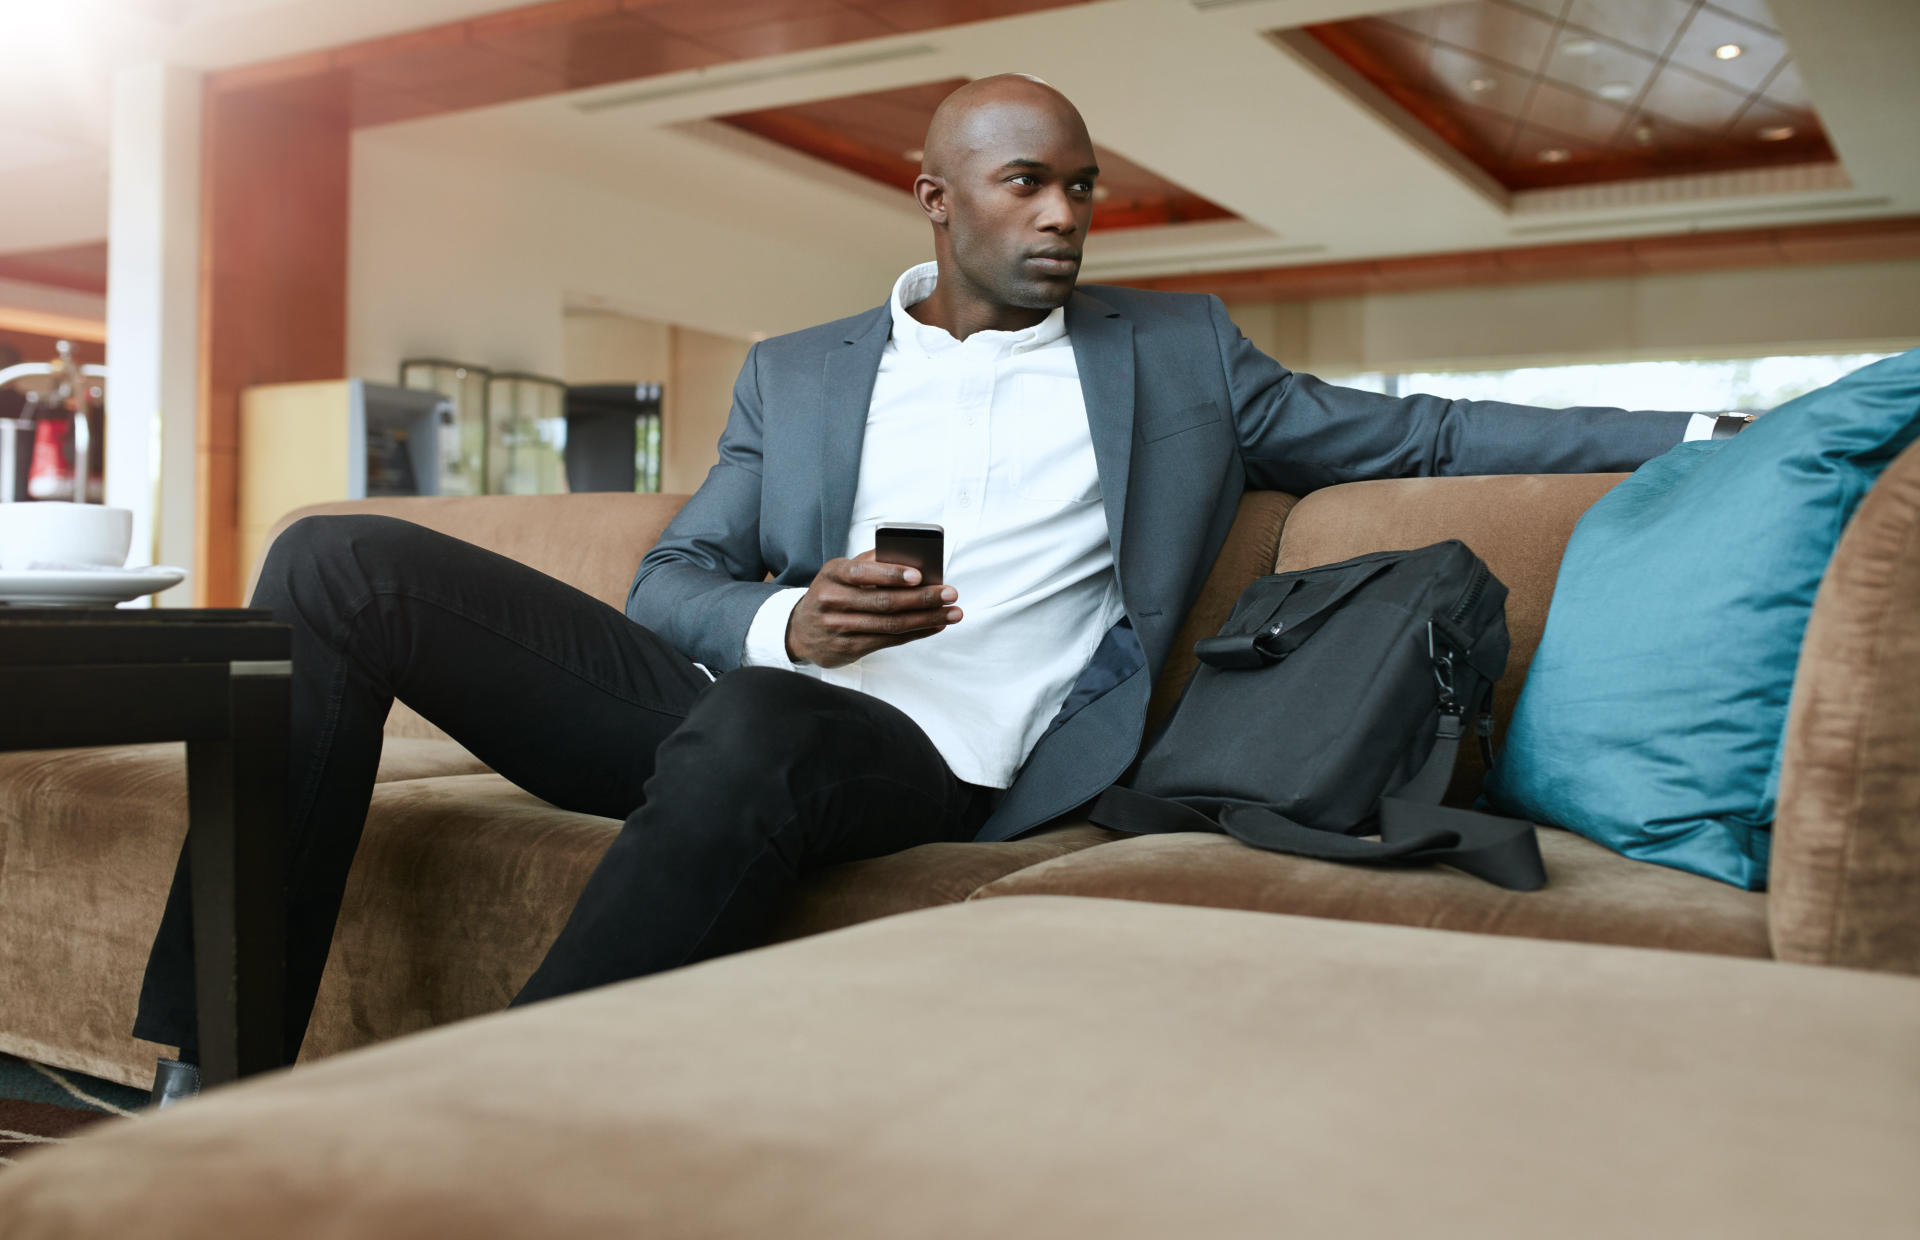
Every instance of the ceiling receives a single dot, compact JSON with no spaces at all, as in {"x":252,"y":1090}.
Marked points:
{"x":877,"y":135}
{"x":1256,"y":150}
{"x":1542,"y":93}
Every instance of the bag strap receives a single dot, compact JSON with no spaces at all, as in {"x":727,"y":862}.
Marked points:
{"x":1414,"y":826}
{"x":1310,"y":599}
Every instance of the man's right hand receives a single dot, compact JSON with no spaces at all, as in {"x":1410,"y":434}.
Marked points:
{"x":855,"y":607}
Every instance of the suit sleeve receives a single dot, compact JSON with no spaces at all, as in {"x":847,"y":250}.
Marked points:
{"x":1298,"y":434}
{"x":702,"y":583}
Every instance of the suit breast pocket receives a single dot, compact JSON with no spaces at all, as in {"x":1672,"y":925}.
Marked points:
{"x":1165,"y":423}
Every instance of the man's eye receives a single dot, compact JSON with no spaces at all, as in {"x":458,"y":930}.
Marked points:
{"x":1082,"y":187}
{"x":1024,"y":178}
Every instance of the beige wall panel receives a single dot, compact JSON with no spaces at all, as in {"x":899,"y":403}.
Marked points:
{"x":293,"y":452}
{"x":601,"y":347}
{"x":1837,"y":308}
{"x":698,"y":397}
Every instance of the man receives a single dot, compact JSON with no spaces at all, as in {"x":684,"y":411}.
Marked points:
{"x":1084,"y":452}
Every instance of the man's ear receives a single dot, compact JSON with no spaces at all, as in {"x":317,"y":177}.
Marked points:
{"x":931,"y":193}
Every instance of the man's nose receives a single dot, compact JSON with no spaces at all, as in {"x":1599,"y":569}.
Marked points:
{"x":1057,"y":214}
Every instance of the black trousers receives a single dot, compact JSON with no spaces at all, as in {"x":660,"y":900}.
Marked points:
{"x":730,"y":789}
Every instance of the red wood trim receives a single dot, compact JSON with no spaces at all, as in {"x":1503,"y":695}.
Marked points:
{"x":273,"y":279}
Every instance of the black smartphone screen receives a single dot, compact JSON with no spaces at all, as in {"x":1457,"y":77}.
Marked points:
{"x":919,"y":546}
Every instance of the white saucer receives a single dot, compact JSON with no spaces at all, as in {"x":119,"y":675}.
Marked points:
{"x":83,"y":588}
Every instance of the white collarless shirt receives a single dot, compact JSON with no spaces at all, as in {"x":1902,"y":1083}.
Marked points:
{"x":986,"y":437}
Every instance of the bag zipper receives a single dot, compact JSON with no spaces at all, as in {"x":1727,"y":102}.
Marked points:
{"x":1476,"y":586}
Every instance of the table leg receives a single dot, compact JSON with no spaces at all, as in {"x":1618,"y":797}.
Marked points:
{"x":237,"y":804}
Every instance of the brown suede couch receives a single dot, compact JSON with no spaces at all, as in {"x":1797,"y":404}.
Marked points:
{"x":462,"y":880}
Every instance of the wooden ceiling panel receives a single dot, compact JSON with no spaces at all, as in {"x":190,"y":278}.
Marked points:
{"x":1694,"y":100}
{"x":797,"y":34}
{"x":699,"y":18}
{"x":564,"y":45}
{"x":1512,"y":36}
{"x":1488,"y":86}
{"x":1603,"y":90}
{"x":1588,"y":120}
{"x":904,"y":15}
{"x":1753,"y":12}
{"x":1601,"y":67}
{"x":878,"y":136}
{"x":80,"y":268}
{"x":1648,"y":25}
{"x":1760,"y":51}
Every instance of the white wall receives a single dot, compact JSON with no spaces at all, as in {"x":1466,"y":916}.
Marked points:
{"x":1840,"y":308}
{"x":455,"y":252}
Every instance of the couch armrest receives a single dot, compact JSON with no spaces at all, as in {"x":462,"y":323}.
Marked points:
{"x":1845,"y":872}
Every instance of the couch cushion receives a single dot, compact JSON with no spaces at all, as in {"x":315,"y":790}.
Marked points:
{"x":1070,"y":1068}
{"x":1519,"y":524}
{"x":1592,"y":895}
{"x":1845,"y":874}
{"x":461,"y":884}
{"x":88,"y":839}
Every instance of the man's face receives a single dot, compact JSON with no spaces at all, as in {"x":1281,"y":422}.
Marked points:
{"x":1018,"y":206}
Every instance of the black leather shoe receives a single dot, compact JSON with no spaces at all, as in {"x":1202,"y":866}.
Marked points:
{"x":173,"y":1082}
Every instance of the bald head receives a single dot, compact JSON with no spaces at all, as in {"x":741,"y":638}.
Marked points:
{"x":1007,"y":182}
{"x":981,"y":117}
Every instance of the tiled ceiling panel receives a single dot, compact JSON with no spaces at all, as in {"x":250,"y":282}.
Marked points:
{"x":878,"y":135}
{"x":1544,"y":93}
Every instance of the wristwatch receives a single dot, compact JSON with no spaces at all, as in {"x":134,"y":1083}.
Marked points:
{"x":1727,"y":425}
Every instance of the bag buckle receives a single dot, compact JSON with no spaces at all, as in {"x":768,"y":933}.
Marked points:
{"x":1441,"y":656}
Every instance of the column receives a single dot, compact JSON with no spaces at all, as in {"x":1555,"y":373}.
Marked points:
{"x":153,"y":312}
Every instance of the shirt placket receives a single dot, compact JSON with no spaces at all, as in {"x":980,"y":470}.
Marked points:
{"x":977,"y":363}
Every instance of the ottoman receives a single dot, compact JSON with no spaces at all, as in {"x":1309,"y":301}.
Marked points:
{"x":1051,"y":1066}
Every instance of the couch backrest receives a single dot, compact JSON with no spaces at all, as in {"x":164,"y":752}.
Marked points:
{"x":1845,"y":872}
{"x":1519,"y":524}
{"x":592,"y":541}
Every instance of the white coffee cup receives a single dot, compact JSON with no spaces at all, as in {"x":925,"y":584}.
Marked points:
{"x":49,"y":535}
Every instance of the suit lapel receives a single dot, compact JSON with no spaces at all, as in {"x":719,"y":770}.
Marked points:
{"x":1103,"y":353}
{"x":850,"y":369}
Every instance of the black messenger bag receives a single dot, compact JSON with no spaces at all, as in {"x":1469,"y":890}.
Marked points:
{"x":1330,"y":707}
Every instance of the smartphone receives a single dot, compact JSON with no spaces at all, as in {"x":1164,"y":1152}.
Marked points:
{"x":914,"y":544}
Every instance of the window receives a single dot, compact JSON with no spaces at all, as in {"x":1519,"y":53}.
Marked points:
{"x":1754,"y":384}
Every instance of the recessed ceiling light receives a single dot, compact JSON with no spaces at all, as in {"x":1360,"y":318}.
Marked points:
{"x":1616,"y":90}
{"x":1579,"y":47}
{"x":1481,"y":86}
{"x":1777,"y":133}
{"x":1555,"y":155}
{"x":914,"y":156}
{"x":1728,"y":51}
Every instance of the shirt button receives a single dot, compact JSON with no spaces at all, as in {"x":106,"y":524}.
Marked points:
{"x":966,"y":501}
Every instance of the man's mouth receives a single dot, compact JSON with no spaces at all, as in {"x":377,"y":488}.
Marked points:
{"x":1063,"y":262}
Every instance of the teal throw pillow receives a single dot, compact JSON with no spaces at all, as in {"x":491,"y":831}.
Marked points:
{"x":1652,"y":717}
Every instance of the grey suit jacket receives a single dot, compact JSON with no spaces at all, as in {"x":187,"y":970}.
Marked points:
{"x":1185,"y":415}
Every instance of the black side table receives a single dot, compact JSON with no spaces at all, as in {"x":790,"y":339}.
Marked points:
{"x":218,"y":680}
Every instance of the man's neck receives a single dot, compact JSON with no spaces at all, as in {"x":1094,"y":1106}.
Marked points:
{"x":954,"y":309}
